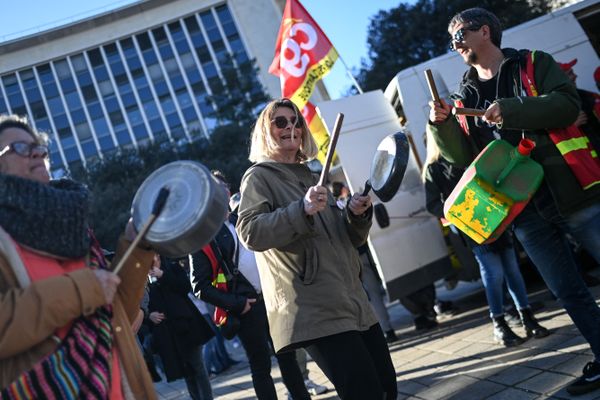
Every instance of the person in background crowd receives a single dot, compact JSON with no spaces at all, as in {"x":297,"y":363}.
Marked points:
{"x":588,"y":119}
{"x":564,"y":203}
{"x":216,"y":356}
{"x":244,"y":300}
{"x":340,"y":193}
{"x":179,"y":330}
{"x":144,"y":335}
{"x":61,"y":309}
{"x":374,"y":288}
{"x":309,"y":268}
{"x":498,"y":261}
{"x":314,"y":389}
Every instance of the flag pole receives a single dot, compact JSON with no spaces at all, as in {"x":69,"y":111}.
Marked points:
{"x":360,"y":91}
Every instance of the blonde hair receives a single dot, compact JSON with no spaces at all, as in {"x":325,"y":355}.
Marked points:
{"x":263,"y":146}
{"x":433,"y":153}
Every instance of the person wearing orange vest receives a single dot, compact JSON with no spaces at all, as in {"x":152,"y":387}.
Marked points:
{"x":65,"y":318}
{"x":525,"y":94}
{"x":588,"y":119}
{"x":243,"y":299}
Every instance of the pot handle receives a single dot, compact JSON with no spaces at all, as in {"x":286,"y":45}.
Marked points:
{"x":368,"y":188}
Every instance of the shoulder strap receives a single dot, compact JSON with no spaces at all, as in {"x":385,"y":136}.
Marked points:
{"x":209,"y":252}
{"x":528,"y":75}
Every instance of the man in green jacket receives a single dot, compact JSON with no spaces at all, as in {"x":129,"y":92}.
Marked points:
{"x":494,"y":83}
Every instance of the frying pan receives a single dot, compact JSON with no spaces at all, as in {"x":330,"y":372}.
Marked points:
{"x":388,"y":166}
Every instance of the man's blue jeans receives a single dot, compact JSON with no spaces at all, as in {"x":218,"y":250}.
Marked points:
{"x":495,"y":266}
{"x":584,"y":226}
{"x":541,"y":230}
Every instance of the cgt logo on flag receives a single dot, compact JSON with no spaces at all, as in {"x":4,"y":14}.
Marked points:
{"x":303,"y":54}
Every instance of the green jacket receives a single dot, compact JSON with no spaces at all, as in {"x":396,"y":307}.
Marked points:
{"x":309,"y":267}
{"x":557,"y":106}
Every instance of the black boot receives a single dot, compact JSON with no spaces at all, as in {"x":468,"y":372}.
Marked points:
{"x":532,"y":327}
{"x":503,"y":334}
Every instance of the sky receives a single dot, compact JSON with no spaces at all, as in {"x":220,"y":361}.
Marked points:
{"x":345,"y":22}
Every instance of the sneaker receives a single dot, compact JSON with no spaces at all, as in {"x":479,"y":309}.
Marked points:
{"x":423,"y":323}
{"x":314,"y":389}
{"x":390,"y":336}
{"x":590,"y":380}
{"x":444,"y":308}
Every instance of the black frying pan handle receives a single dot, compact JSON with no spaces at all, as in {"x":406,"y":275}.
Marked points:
{"x":368,"y":188}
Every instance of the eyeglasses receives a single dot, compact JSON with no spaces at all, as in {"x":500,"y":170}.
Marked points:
{"x":282,"y":122}
{"x":25,"y":149}
{"x":459,"y":35}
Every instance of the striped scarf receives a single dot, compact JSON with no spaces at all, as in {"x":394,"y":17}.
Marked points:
{"x":80,"y":366}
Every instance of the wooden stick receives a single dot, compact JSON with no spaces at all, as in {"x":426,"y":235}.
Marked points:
{"x":135,"y":242}
{"x":331,"y":150}
{"x":159,"y":204}
{"x":432,"y":88}
{"x":469,"y":112}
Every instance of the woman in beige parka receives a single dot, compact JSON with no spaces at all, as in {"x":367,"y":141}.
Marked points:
{"x":308,"y":264}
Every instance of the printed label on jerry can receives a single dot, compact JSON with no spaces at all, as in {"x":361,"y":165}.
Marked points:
{"x":494,"y":190}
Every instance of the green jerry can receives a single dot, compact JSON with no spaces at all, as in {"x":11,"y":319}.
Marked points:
{"x":494,"y":190}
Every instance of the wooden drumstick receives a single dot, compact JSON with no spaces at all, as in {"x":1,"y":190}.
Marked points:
{"x":331,"y":150}
{"x":432,"y":88}
{"x":159,"y":204}
{"x":469,"y":112}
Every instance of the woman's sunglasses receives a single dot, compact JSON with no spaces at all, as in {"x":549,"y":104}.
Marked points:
{"x":25,"y":149}
{"x":459,"y":35}
{"x":282,"y":122}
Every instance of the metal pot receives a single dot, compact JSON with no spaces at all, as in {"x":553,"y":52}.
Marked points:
{"x":388,"y":166}
{"x":193,"y":214}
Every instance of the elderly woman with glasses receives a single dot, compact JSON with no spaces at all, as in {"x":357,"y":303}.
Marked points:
{"x":65,"y":319}
{"x":308,"y":264}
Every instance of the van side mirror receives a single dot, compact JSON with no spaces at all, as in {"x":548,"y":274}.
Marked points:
{"x":381,"y":215}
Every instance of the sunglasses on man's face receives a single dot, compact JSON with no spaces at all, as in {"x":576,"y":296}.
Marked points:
{"x":282,"y":122}
{"x":459,"y":35}
{"x":25,"y":149}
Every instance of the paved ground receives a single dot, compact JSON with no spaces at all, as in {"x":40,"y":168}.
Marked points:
{"x":457,"y":360}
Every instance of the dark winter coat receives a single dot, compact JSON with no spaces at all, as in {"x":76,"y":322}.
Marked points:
{"x":202,"y":275}
{"x":183,"y":327}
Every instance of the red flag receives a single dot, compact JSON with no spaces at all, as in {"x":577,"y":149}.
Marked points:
{"x":303,"y":54}
{"x":318,"y":130}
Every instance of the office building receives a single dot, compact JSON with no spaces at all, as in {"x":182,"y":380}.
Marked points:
{"x":143,"y":72}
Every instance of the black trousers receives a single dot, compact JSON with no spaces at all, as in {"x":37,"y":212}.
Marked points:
{"x":357,"y":363}
{"x":255,"y":337}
